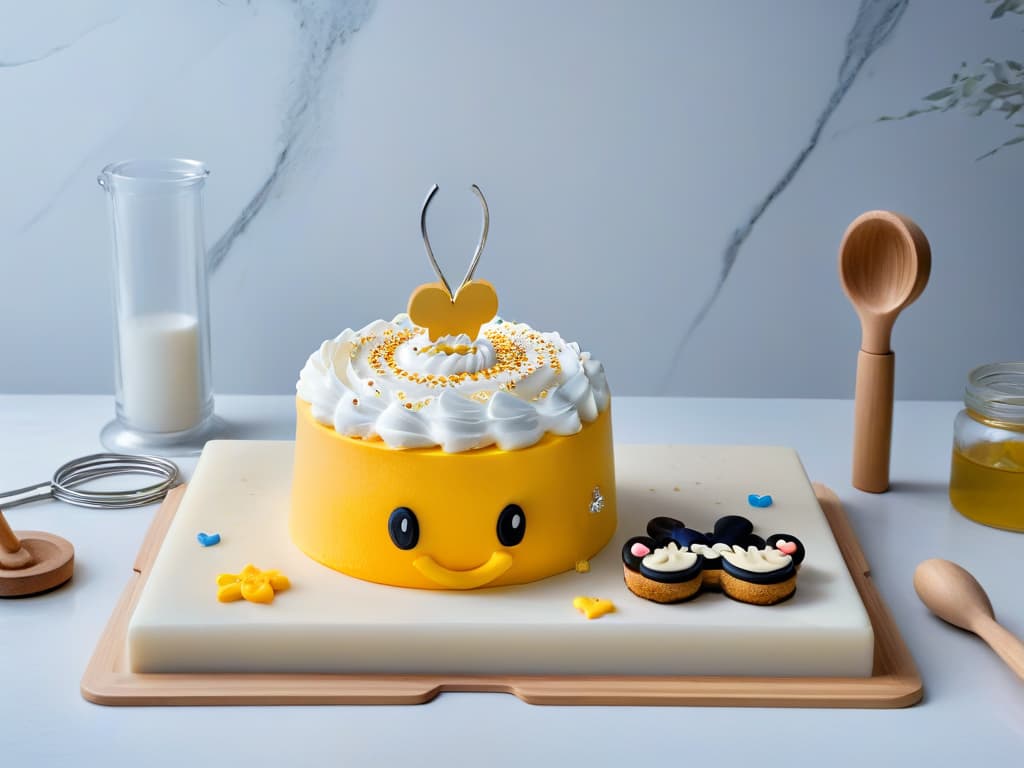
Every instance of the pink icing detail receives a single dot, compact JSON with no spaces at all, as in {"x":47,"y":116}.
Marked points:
{"x":639,"y":550}
{"x":786,"y":547}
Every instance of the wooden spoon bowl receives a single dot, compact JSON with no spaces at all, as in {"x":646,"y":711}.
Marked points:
{"x":884,"y":265}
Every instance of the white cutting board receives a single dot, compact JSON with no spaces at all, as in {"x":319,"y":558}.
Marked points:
{"x":329,"y":622}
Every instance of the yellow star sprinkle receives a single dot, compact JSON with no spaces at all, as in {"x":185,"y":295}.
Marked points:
{"x":251,"y":584}
{"x":582,"y":566}
{"x":593,"y":607}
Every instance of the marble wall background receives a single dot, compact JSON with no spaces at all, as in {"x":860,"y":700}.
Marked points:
{"x":668,"y":181}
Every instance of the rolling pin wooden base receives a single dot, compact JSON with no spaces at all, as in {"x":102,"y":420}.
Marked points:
{"x":32,"y":561}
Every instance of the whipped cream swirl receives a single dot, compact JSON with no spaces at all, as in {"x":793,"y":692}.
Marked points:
{"x":508,"y":387}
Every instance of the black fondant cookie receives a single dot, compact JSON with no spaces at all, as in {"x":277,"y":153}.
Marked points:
{"x":674,"y":563}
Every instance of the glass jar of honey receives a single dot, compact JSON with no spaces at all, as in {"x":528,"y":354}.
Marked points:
{"x":986,"y":481}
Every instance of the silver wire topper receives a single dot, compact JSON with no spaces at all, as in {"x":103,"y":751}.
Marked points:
{"x":479,"y":247}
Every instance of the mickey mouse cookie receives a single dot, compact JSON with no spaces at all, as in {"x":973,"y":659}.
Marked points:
{"x":667,"y":574}
{"x":673,"y":563}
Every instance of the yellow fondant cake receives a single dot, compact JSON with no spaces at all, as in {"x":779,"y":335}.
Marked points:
{"x":449,"y":449}
{"x":346,"y":491}
{"x":452,"y":464}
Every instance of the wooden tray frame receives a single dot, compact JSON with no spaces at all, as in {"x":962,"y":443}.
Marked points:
{"x":895,"y":681}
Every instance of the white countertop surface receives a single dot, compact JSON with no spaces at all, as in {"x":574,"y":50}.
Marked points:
{"x":973,"y":707}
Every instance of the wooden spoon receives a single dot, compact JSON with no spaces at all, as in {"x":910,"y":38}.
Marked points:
{"x":955,"y":596}
{"x":884,"y":264}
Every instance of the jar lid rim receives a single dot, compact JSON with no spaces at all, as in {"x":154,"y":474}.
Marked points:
{"x":996,"y":390}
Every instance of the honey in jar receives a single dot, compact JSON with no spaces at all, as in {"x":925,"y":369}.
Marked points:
{"x":986,"y":481}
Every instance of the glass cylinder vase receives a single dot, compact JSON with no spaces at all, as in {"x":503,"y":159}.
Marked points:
{"x":162,"y":377}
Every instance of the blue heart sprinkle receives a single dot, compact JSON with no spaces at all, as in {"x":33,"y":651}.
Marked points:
{"x":755,"y":500}
{"x":208,"y":539}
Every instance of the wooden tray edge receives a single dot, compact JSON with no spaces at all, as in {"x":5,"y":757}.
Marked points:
{"x":895,"y":682}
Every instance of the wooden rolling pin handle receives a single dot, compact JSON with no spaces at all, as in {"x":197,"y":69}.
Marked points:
{"x":1003,"y":642}
{"x":872,"y":421}
{"x":8,"y":541}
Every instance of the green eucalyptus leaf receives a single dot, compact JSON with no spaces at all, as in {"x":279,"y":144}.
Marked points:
{"x":1015,"y":140}
{"x":939,"y":95}
{"x":999,"y":70}
{"x":1001,"y":90}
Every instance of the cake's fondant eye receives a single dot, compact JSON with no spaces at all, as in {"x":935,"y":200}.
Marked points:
{"x":511,"y":525}
{"x":404,"y":528}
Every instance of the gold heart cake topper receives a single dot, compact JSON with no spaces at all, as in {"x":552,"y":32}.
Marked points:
{"x":436,"y":307}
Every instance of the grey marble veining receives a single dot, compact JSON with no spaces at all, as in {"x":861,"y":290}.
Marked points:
{"x":47,"y":53}
{"x":116,"y":17}
{"x":326,"y":25}
{"x":872,"y":26}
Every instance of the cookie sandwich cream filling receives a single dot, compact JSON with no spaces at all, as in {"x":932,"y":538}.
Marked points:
{"x":755,"y":560}
{"x":670,"y":559}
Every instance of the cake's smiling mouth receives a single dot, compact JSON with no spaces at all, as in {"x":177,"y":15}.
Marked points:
{"x":496,"y":565}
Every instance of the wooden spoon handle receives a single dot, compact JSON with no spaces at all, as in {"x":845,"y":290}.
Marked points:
{"x":872,"y":421}
{"x":1003,"y":642}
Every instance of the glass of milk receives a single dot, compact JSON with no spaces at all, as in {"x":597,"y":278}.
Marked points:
{"x":162,"y":383}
